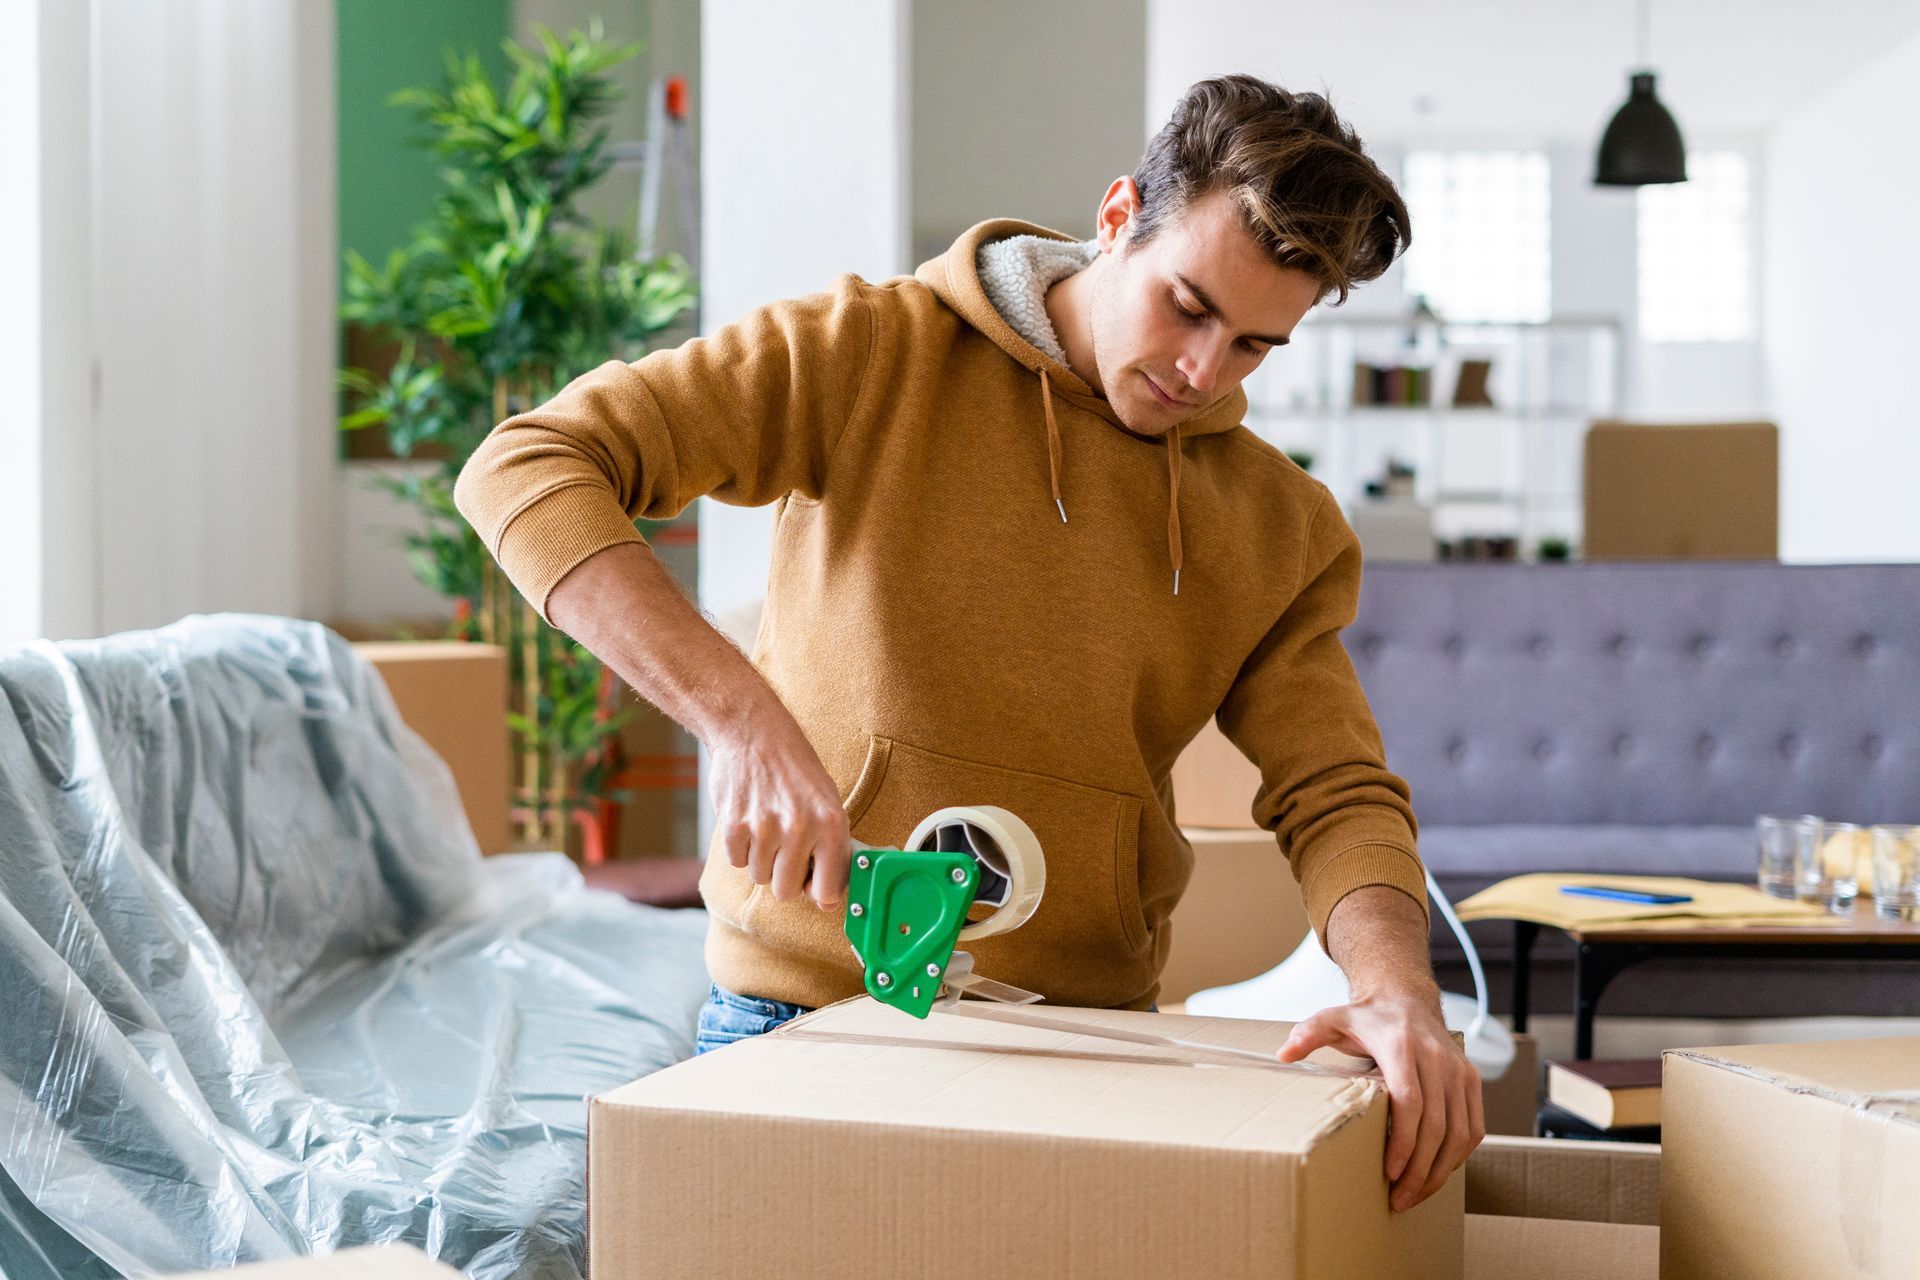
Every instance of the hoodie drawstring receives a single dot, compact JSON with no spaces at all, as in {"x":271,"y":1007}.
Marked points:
{"x":1173,"y":503}
{"x":1174,"y":549}
{"x":1053,"y":443}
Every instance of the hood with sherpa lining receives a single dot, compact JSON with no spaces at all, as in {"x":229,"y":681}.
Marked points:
{"x":955,"y":278}
{"x":941,"y":637}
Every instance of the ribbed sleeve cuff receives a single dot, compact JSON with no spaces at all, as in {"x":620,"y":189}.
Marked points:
{"x":1358,"y":867}
{"x":555,"y":532}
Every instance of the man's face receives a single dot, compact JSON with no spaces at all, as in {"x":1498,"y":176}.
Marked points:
{"x":1177,"y":323}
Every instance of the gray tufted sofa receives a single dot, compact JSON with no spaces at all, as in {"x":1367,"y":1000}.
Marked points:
{"x":1636,"y":717}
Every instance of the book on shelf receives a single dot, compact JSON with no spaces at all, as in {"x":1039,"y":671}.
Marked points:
{"x":1620,"y":1093}
{"x":1470,"y":387}
{"x":1403,"y":385}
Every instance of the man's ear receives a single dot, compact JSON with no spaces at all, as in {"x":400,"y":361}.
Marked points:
{"x":1115,"y":217}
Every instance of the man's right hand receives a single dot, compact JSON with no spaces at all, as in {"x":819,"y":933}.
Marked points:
{"x":779,"y":815}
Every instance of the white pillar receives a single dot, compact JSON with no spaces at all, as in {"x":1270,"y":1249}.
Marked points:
{"x":804,"y":169}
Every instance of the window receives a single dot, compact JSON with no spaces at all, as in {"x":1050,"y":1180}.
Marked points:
{"x":1480,"y":234}
{"x":1696,"y":255}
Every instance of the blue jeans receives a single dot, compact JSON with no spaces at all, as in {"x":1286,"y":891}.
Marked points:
{"x":728,"y":1016}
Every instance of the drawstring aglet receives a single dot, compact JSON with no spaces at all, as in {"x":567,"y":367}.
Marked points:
{"x":1176,"y":582}
{"x":1063,"y":510}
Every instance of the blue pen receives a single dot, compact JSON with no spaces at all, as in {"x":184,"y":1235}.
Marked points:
{"x":1625,"y":895}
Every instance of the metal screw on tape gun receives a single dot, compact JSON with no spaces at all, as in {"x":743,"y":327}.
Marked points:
{"x":908,"y":908}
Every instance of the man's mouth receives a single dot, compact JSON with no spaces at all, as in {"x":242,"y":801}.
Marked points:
{"x":1164,"y":398}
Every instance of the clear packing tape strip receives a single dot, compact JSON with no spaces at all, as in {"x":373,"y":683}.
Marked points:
{"x":1013,"y":881}
{"x":1866,"y":1210}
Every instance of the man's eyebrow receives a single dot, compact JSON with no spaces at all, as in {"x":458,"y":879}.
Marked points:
{"x":1206,"y":304}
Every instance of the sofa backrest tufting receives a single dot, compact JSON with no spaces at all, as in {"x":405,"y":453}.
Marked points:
{"x":1646,"y":693}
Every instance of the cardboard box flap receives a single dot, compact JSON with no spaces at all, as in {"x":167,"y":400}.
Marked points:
{"x":959,"y":1073}
{"x":377,"y":1262}
{"x":1502,"y":1248}
{"x":1881,"y":1072}
{"x":1612,"y":1182}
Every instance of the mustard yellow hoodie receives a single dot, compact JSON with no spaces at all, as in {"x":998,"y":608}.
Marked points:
{"x":973,"y":601}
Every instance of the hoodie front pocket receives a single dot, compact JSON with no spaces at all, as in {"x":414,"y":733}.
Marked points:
{"x":1089,"y":836}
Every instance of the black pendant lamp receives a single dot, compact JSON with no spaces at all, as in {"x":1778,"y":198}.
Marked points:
{"x":1642,"y":144}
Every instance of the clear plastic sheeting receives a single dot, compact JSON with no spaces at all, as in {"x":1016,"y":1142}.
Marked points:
{"x":259,"y":994}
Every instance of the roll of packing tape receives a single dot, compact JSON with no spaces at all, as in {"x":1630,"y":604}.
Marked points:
{"x":1013,"y":874}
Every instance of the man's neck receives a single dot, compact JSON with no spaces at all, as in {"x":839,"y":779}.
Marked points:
{"x":1070,"y":309}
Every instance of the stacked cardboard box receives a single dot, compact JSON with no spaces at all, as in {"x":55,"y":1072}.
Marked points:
{"x":454,"y":695}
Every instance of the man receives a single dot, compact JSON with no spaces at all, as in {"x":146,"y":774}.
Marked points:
{"x":1024,"y":551}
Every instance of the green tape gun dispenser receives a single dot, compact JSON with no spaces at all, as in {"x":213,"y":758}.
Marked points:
{"x":964,"y":873}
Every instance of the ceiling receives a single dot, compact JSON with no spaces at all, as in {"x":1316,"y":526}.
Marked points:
{"x":1497,"y":70}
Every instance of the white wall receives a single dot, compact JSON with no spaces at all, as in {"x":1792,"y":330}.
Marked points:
{"x":48,"y":576}
{"x":1023,"y":110}
{"x":213,"y":299}
{"x":178,"y":361}
{"x":1843,"y":315}
{"x":805,"y":167}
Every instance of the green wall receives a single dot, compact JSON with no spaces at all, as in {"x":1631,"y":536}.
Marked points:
{"x":388,"y":181}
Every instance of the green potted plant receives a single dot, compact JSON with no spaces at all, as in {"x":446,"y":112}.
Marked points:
{"x":503,"y":295}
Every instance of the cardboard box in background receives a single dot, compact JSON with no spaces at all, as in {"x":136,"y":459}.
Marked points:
{"x":1511,"y":1104}
{"x":1214,"y":784}
{"x":377,"y":1262}
{"x":959,"y":1147}
{"x":1241,"y":914}
{"x":454,"y":694}
{"x":1569,"y":1210}
{"x":1790,"y":1161}
{"x":1695,"y":492}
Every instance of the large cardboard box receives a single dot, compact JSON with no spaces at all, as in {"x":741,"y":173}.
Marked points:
{"x":1570,"y":1210}
{"x":1697,"y":491}
{"x":1796,"y":1161}
{"x":378,"y":1262}
{"x":1241,"y":915}
{"x":1214,"y":784}
{"x":859,"y":1140}
{"x":454,"y":695}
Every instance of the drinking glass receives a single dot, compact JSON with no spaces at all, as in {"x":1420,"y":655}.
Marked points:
{"x":1775,"y":839}
{"x":1828,"y":862}
{"x":1896,"y":872}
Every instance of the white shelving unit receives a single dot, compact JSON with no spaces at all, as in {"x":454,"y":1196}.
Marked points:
{"x":1512,"y":468}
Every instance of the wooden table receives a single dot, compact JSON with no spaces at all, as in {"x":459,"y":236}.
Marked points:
{"x":1603,"y":952}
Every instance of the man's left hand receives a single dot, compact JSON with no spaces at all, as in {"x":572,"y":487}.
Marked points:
{"x":1378,"y":936}
{"x":1434,"y":1117}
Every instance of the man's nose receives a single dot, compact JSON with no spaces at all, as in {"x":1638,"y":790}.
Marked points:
{"x":1200,"y":366}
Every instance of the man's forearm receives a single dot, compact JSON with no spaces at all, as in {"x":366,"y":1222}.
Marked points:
{"x":625,"y":607}
{"x":1378,"y":937}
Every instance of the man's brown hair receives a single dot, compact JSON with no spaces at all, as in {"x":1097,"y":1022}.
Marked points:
{"x":1305,"y":189}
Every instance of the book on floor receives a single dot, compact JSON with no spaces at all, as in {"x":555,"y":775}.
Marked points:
{"x":1610,"y":1093}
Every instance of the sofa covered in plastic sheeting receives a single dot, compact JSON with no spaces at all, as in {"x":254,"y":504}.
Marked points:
{"x":259,"y":994}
